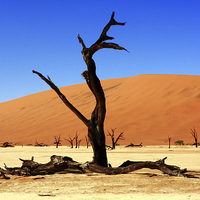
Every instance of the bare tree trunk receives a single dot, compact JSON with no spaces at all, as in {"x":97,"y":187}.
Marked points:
{"x":87,"y":141}
{"x":71,"y":141}
{"x":112,"y":135}
{"x":57,"y":141}
{"x":194,"y":134}
{"x":169,"y":140}
{"x":77,"y":141}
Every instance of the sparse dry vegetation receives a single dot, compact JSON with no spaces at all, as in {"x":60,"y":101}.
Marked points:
{"x":40,"y":144}
{"x":112,"y":136}
{"x":57,"y":141}
{"x":71,"y":141}
{"x":179,"y":142}
{"x":195,"y":136}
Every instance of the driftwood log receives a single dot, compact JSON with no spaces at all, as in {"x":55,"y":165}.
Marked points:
{"x":63,"y":165}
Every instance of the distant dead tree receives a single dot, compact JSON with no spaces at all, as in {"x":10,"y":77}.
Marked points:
{"x":71,"y":141}
{"x":87,"y":141}
{"x":194,"y":134}
{"x":112,"y":135}
{"x":57,"y":141}
{"x":169,"y":140}
{"x":40,"y":144}
{"x":7,"y":144}
{"x":77,"y":141}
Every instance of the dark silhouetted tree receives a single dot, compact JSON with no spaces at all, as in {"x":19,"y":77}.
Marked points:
{"x":169,"y":141}
{"x":87,"y":141}
{"x":77,"y":141}
{"x":71,"y":141}
{"x":112,"y":135}
{"x":57,"y":141}
{"x":95,"y":124}
{"x":195,"y":136}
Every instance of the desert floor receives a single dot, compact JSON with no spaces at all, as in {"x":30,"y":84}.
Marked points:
{"x":136,"y":185}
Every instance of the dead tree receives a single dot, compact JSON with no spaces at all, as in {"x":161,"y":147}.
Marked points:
{"x":112,"y":135}
{"x":77,"y":141}
{"x":95,"y":124}
{"x":7,"y":144}
{"x":87,"y":141}
{"x":194,"y":134}
{"x":169,"y":140}
{"x":57,"y":141}
{"x":71,"y":141}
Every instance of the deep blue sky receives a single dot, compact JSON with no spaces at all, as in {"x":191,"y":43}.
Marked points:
{"x":163,"y":37}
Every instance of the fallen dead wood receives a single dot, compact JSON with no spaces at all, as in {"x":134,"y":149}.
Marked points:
{"x":57,"y":164}
{"x":7,"y":144}
{"x":134,"y":145}
{"x":47,"y":195}
{"x":130,"y":166}
{"x":62,"y":165}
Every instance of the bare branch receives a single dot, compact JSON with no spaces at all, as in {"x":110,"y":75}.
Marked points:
{"x":109,"y":45}
{"x":109,"y":134}
{"x":63,"y":98}
{"x":113,"y":133}
{"x":103,"y":35}
{"x":57,"y":140}
{"x":120,"y":137}
{"x":70,"y":140}
{"x":81,"y":41}
{"x":194,"y":134}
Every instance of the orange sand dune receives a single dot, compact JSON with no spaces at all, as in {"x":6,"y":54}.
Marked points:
{"x":147,"y":108}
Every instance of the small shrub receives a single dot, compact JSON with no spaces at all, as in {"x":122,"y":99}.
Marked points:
{"x":179,"y":142}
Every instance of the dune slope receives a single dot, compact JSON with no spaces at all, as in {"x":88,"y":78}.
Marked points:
{"x":147,"y":108}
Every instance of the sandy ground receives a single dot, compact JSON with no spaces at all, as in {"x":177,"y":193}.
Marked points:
{"x":135,"y":185}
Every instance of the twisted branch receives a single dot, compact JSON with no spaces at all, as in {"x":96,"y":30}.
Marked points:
{"x":63,"y":98}
{"x":100,"y":44}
